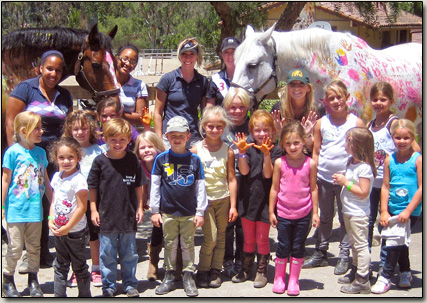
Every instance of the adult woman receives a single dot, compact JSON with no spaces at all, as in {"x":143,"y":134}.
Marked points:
{"x":220,"y":82}
{"x":181,"y":92}
{"x":296,"y":103}
{"x":43,"y":96}
{"x":133,"y":93}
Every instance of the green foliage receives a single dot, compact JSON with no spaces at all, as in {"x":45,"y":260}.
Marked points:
{"x":267,"y":104}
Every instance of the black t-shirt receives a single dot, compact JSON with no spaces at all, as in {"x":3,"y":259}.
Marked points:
{"x":254,"y":188}
{"x":115,"y":181}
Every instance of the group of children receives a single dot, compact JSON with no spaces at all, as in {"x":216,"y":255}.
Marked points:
{"x":99,"y":194}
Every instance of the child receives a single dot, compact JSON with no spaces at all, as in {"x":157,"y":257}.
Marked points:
{"x":221,"y":187}
{"x":296,"y":103}
{"x":115,"y":188}
{"x":294,"y":191}
{"x":24,"y":182}
{"x":178,"y":193}
{"x":357,"y":185}
{"x":331,"y":157}
{"x":256,"y":164}
{"x":109,"y":109}
{"x":82,"y":126}
{"x":67,"y":219}
{"x":401,"y":196}
{"x":147,"y":147}
{"x":236,"y":103}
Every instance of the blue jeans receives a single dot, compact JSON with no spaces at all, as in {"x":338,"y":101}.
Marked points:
{"x":291,"y":235}
{"x":125,"y":245}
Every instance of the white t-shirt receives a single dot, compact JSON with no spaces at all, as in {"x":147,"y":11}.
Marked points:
{"x":89,"y":154}
{"x":352,"y":204}
{"x":65,"y":203}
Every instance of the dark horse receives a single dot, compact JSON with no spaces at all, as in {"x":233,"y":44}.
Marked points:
{"x":87,"y":56}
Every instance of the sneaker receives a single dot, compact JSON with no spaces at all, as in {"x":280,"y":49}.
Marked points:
{"x":72,"y":282}
{"x":215,"y":278}
{"x":96,"y":278}
{"x":381,"y":286}
{"x":228,"y":269}
{"x":132,"y":293}
{"x":405,"y":279}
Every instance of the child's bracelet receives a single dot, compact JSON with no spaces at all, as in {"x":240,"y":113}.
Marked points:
{"x":242,"y":155}
{"x":350,"y":185}
{"x":2,"y":207}
{"x":50,"y":217}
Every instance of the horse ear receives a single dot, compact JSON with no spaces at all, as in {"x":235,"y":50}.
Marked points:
{"x":267,"y":34}
{"x":93,"y":32}
{"x":112,"y":33}
{"x":249,"y":31}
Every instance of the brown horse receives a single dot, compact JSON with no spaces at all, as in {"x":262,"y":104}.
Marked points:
{"x":87,"y":56}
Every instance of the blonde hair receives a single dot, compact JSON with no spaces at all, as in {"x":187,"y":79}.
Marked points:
{"x":152,"y":138}
{"x":25,"y":120}
{"x":293,"y":127}
{"x":84,"y":117}
{"x":235,"y":92}
{"x":383,"y":87}
{"x":362,"y":146}
{"x":214,"y":111}
{"x":286,"y":108}
{"x":198,"y":46}
{"x":116,"y":127}
{"x":339,"y":88}
{"x":261,"y":115}
{"x":403,"y":123}
{"x":69,"y":142}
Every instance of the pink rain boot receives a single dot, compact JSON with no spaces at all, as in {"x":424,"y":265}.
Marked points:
{"x":295,"y":265}
{"x":279,"y":286}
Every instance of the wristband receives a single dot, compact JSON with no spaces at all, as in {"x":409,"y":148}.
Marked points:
{"x":2,"y":207}
{"x":350,"y":185}
{"x":242,"y":155}
{"x":50,"y":217}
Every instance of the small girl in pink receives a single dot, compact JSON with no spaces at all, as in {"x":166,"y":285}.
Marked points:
{"x":294,"y":195}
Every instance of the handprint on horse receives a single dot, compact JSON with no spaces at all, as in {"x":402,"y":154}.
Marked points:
{"x":263,"y":59}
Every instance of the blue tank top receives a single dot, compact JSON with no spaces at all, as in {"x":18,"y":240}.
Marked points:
{"x":403,"y":184}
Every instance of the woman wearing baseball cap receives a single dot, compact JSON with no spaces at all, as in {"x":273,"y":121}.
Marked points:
{"x":181,"y":92}
{"x":220,"y":82}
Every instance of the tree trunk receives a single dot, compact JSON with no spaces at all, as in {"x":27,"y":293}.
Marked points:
{"x":228,"y":27}
{"x":289,"y":16}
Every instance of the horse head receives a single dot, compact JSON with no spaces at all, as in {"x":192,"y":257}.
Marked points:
{"x":95,"y":66}
{"x":256,"y":63}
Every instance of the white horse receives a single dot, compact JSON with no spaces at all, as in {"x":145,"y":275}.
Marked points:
{"x":265,"y":58}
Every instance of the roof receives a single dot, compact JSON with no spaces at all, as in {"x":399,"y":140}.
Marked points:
{"x":349,"y":10}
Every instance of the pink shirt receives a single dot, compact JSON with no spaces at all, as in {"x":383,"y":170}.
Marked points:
{"x":294,"y":197}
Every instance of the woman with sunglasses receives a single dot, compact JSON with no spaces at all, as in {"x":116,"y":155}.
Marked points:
{"x":133,"y":93}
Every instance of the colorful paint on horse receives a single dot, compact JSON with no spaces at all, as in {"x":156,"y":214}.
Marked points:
{"x":330,"y":55}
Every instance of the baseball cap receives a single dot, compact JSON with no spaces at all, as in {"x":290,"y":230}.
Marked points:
{"x":228,"y":43}
{"x":189,"y":47}
{"x":298,"y":74}
{"x":177,"y":124}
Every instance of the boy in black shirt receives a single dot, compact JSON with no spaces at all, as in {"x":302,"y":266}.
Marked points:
{"x":115,"y":184}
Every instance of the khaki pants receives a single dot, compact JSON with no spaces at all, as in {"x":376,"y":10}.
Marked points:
{"x":20,"y":234}
{"x":174,"y":227}
{"x":213,"y":246}
{"x":357,"y":230}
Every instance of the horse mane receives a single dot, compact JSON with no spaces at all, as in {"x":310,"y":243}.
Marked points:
{"x":38,"y":40}
{"x":301,"y":43}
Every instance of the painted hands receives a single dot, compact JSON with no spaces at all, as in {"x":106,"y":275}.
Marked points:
{"x":146,"y":116}
{"x":241,"y":143}
{"x":266,"y":146}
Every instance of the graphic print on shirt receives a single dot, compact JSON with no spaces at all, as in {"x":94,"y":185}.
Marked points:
{"x":61,"y":213}
{"x":27,"y":180}
{"x":183,"y":174}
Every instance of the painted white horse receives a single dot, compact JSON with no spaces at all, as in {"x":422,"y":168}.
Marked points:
{"x":330,"y":55}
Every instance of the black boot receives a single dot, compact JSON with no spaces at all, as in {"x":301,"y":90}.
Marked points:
{"x":34,"y":286}
{"x":168,"y":283}
{"x":8,"y":288}
{"x":245,"y":273}
{"x":261,"y":275}
{"x":190,"y":287}
{"x":341,"y":267}
{"x":348,"y":278}
{"x":318,"y":259}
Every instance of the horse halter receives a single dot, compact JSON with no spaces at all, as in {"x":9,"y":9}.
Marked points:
{"x":95,"y":94}
{"x":273,"y":75}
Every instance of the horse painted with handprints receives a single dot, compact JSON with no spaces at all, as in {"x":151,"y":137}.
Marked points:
{"x":87,"y":55}
{"x":265,"y":58}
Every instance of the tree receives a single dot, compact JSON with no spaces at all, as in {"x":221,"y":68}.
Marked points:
{"x":289,"y":16}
